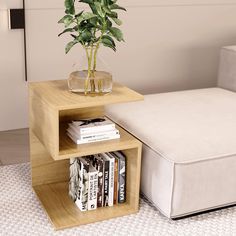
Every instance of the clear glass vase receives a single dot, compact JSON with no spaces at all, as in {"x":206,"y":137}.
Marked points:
{"x":98,"y":81}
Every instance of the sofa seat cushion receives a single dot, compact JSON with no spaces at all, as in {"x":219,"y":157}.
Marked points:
{"x":189,"y":137}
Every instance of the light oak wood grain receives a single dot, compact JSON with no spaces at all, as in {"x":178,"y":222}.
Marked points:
{"x":44,"y":168}
{"x":69,"y":149}
{"x":51,"y":107}
{"x":56,"y":95}
{"x":81,"y":113}
{"x":63,"y":213}
{"x":44,"y":122}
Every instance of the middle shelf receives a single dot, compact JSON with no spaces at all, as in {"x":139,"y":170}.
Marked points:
{"x":68,"y":149}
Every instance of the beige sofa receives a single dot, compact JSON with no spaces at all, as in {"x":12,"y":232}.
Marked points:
{"x":189,"y":137}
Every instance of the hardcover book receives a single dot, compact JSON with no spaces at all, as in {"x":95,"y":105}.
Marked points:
{"x":82,"y":198}
{"x":99,"y":165}
{"x":94,"y":125}
{"x":74,"y":187}
{"x":122,"y":177}
{"x":116,"y":184}
{"x":106,"y":162}
{"x":75,"y":132}
{"x":92,"y":139}
{"x":93,"y":187}
{"x":111,"y":179}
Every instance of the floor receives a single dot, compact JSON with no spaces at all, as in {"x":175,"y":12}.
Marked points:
{"x":14,"y":146}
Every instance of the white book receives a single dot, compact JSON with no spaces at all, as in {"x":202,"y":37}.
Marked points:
{"x":96,"y":135}
{"x":95,"y":131}
{"x":92,"y":140}
{"x":93,"y":125}
{"x":93,"y":188}
{"x":82,"y":197}
{"x":111,"y":179}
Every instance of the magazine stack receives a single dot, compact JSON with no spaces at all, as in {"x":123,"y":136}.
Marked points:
{"x":92,"y":130}
{"x":98,"y":180}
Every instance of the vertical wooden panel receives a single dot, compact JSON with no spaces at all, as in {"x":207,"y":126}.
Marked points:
{"x":44,"y":123}
{"x":44,"y":169}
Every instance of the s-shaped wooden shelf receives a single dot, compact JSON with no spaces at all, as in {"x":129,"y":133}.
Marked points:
{"x":51,"y":107}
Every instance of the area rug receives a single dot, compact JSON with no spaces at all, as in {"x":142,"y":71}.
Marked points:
{"x":22,"y":214}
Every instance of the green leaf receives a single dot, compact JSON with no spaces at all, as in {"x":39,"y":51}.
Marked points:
{"x":85,"y":36}
{"x":70,"y":45}
{"x":65,"y":31}
{"x":99,"y":9}
{"x":88,"y":15}
{"x":87,"y":1}
{"x":117,"y":33}
{"x":112,"y":2}
{"x":117,"y":7}
{"x":108,"y":24}
{"x":67,"y":20}
{"x":73,"y":36}
{"x":70,"y":7}
{"x":79,"y":14}
{"x":107,"y":41}
{"x":117,"y":21}
{"x":113,"y":14}
{"x":107,"y":10}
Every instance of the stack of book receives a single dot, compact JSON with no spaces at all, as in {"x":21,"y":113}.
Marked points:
{"x":98,"y":180}
{"x":92,"y":130}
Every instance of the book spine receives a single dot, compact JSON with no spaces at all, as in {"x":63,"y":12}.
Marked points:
{"x":82,"y":200}
{"x":78,"y":134}
{"x":111,"y":181}
{"x":106,"y":182}
{"x":92,"y":190}
{"x":98,"y":164}
{"x":116,"y":181}
{"x":74,"y":178}
{"x":78,"y":201}
{"x":92,"y":140}
{"x":96,"y":129}
{"x":78,"y":141}
{"x":122,"y":178}
{"x":99,"y":135}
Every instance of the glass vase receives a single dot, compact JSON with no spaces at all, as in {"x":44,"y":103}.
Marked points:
{"x":97,"y":81}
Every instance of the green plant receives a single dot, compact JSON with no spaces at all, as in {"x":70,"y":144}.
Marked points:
{"x":93,"y":28}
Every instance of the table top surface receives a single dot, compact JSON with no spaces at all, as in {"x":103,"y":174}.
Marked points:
{"x":56,"y":94}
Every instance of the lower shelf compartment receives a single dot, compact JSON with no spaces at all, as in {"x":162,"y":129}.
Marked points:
{"x":63,"y":213}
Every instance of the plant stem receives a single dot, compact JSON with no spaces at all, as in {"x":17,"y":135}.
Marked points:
{"x":95,"y":53}
{"x":95,"y":57}
{"x":87,"y":55}
{"x":90,"y":61}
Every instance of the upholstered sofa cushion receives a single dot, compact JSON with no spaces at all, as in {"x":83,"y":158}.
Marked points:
{"x":227,"y":68}
{"x":189,"y":156}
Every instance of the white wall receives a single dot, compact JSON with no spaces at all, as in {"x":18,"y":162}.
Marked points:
{"x":13,"y":89}
{"x":170,"y":45}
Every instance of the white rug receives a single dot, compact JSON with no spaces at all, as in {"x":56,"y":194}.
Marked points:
{"x":22,"y":214}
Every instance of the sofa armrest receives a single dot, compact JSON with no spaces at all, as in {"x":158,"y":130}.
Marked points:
{"x":227,"y":68}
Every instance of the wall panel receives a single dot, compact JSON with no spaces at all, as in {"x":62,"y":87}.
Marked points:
{"x":170,"y":45}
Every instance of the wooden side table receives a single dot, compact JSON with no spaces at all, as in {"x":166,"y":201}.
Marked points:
{"x":52,"y":106}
